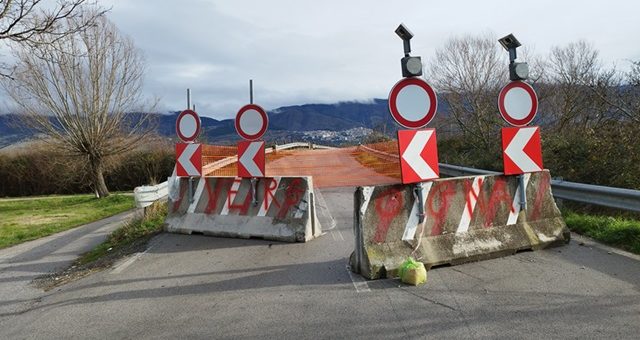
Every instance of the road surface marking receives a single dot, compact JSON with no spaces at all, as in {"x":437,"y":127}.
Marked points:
{"x":124,"y":265}
{"x":359,"y":283}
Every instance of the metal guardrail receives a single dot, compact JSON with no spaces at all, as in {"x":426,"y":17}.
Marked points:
{"x":381,"y":154}
{"x":619,"y":198}
{"x":301,"y":145}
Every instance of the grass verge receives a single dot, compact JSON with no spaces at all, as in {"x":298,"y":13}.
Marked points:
{"x":132,"y":237}
{"x":26,"y":219}
{"x":138,"y":229}
{"x":618,"y":232}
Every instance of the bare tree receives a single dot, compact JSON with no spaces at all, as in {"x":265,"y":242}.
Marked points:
{"x":29,"y":22}
{"x":620,"y":91}
{"x":468,"y":72}
{"x":576,"y":84}
{"x":79,"y":91}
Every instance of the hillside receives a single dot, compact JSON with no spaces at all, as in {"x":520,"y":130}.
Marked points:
{"x":285,"y":123}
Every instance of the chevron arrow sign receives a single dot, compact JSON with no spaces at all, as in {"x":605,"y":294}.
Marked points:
{"x":188,"y":159}
{"x":418,"y":155}
{"x":251,"y":159}
{"x":521,"y":150}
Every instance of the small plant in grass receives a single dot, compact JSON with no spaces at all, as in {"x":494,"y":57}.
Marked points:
{"x":137,"y":230}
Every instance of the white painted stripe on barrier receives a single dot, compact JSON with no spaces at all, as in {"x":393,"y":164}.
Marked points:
{"x":515,"y":206}
{"x":366,"y":192}
{"x":470,"y":205}
{"x":197,"y":195}
{"x":268,"y":196}
{"x":412,"y":223}
{"x":232,"y":196}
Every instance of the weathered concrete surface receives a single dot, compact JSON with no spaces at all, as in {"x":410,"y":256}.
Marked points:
{"x":224,"y":206}
{"x":466,"y":219}
{"x":190,"y":286}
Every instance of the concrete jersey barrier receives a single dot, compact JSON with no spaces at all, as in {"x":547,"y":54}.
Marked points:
{"x":284,"y":208}
{"x":466,"y":219}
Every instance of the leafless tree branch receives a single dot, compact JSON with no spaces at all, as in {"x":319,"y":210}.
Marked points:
{"x":80,"y":90}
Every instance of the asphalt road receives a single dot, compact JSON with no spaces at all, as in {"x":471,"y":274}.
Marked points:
{"x":204,"y":287}
{"x":20,"y":264}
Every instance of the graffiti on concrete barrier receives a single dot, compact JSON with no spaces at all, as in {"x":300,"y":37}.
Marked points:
{"x":388,"y":204}
{"x":467,"y":202}
{"x":292,"y":196}
{"x":543,"y":189}
{"x":233,"y":196}
{"x":442,"y":193}
{"x":499,"y":197}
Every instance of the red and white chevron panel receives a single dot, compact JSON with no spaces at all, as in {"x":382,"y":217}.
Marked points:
{"x":418,"y":152}
{"x":251,"y":159}
{"x":188,"y":160}
{"x":521,"y":150}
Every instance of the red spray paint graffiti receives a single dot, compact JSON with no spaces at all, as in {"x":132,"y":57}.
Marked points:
{"x":388,"y":204}
{"x":269,"y":188}
{"x":243,"y":207}
{"x":293,"y":195}
{"x":499,"y":196}
{"x":442,"y":192}
{"x":472,"y":194}
{"x":213,"y":195}
{"x":178,"y":202}
{"x":541,"y":191}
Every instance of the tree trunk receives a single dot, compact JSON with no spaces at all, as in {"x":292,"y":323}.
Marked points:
{"x":98,"y":179}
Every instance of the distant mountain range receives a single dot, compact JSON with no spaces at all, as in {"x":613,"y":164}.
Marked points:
{"x":288,"y":123}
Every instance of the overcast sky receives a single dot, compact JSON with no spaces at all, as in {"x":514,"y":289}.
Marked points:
{"x":326,"y":51}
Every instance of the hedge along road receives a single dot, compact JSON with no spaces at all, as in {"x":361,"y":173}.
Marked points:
{"x":199,"y":286}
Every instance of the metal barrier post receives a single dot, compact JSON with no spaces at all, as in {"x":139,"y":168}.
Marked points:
{"x":254,"y":191}
{"x":523,"y":192}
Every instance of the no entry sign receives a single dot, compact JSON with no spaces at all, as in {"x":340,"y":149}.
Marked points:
{"x":412,"y":103}
{"x":188,"y":126}
{"x":518,"y":103}
{"x":251,"y":122}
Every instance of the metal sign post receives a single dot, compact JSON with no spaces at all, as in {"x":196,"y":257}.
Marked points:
{"x":188,"y":126}
{"x":251,"y":123}
{"x":413,"y":104}
{"x":518,"y":106}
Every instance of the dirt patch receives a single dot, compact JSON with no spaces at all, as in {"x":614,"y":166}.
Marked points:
{"x":76,"y":272}
{"x":43,"y":219}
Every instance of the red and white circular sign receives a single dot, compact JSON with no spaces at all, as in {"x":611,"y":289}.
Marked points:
{"x":412,"y":103}
{"x":251,"y":122}
{"x":188,"y":126}
{"x":518,"y":103}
